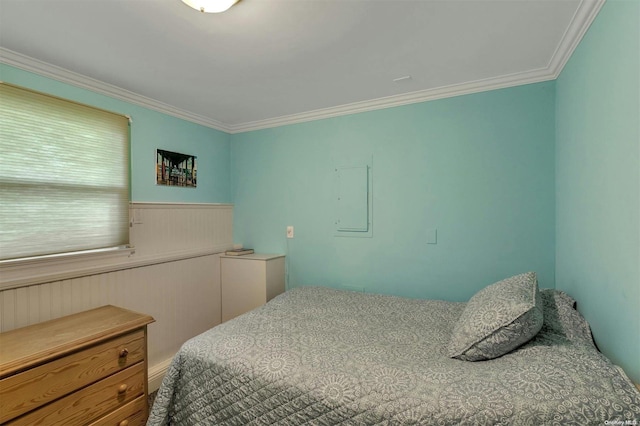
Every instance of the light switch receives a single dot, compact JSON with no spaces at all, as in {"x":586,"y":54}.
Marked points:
{"x":137,"y":216}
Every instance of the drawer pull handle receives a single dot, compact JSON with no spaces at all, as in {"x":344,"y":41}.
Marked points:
{"x":125,"y":422}
{"x":124,"y":353}
{"x":122,"y":388}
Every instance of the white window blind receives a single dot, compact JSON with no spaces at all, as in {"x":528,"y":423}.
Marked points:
{"x":64,"y":179}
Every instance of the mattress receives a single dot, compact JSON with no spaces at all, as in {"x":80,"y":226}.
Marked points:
{"x":321,"y":356}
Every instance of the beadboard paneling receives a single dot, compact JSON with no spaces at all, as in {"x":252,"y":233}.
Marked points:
{"x":183,"y":296}
{"x":174,"y":276}
{"x":158,"y":229}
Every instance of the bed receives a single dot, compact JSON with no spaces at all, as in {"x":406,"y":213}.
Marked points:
{"x":322,"y":356}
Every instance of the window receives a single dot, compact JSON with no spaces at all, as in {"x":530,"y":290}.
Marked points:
{"x":64,"y":180}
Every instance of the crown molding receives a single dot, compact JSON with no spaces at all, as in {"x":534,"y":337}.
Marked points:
{"x":63,"y":75}
{"x":510,"y":80}
{"x":580,"y":23}
{"x":582,"y":19}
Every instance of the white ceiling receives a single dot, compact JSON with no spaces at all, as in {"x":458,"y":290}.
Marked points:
{"x":268,"y":62}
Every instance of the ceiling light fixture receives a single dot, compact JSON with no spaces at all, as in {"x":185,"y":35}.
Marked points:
{"x":210,"y":6}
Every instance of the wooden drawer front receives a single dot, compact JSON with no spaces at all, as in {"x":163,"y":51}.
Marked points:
{"x":132,"y":414}
{"x":30,"y":389}
{"x":90,"y":403}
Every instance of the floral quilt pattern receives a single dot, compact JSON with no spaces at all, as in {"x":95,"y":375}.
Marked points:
{"x":321,"y":356}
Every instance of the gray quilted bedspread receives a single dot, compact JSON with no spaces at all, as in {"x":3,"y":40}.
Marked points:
{"x":326,"y":357}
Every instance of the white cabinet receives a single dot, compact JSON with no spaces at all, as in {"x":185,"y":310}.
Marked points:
{"x":249,"y":281}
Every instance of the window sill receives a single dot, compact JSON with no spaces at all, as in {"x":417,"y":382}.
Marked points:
{"x":36,"y":270}
{"x":46,"y":269}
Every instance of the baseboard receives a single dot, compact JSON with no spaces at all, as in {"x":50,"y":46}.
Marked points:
{"x":156,"y":374}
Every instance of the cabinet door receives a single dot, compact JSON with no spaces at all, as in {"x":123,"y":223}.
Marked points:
{"x":243,"y":286}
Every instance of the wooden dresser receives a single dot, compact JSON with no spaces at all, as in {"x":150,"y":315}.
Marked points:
{"x":88,"y":368}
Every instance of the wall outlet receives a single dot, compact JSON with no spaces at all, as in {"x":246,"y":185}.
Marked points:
{"x":289,"y":231}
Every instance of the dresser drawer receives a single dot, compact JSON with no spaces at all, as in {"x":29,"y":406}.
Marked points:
{"x":92,"y":402}
{"x":132,"y":414}
{"x":30,"y":389}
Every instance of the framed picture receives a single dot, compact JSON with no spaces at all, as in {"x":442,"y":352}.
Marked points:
{"x":175,"y":169}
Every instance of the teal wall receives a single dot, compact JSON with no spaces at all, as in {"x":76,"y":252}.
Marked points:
{"x":151,"y":130}
{"x":598,"y":181}
{"x":477,"y":168}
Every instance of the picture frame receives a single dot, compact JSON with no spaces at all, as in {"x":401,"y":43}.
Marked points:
{"x":176,"y":169}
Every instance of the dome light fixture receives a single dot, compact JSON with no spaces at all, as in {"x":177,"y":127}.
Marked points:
{"x":210,"y":6}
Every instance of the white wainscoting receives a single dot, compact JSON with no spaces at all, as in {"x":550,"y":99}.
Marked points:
{"x":180,"y":229}
{"x":174,"y":275}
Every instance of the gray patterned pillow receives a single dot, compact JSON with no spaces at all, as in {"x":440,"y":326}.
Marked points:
{"x":498,"y":319}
